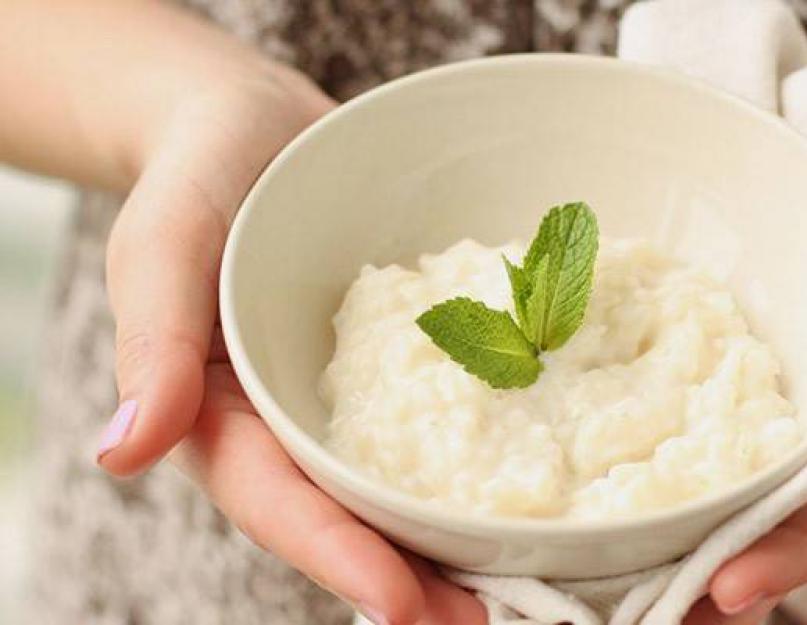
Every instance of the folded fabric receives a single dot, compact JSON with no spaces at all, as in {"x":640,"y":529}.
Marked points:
{"x":660,"y":596}
{"x":757,"y":50}
{"x":745,"y":47}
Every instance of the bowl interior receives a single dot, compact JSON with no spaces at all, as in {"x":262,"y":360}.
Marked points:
{"x":481,"y":150}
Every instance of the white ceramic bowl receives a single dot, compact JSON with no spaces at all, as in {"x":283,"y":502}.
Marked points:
{"x":480,"y":149}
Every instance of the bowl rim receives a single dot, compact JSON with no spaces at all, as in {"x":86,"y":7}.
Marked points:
{"x":299,"y":444}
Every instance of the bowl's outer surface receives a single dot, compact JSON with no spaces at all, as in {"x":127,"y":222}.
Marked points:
{"x":480,"y":149}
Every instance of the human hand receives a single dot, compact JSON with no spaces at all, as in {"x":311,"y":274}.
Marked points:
{"x":144,"y":98}
{"x":177,"y":388}
{"x":747,"y":588}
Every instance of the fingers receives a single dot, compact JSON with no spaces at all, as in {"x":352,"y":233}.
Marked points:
{"x":705,"y":612}
{"x":446,"y":603}
{"x":774,"y":565}
{"x":234,"y":456}
{"x":163,"y":264}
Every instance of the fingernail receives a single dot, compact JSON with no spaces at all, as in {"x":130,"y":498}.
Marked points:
{"x":373,"y":616}
{"x":118,"y":428}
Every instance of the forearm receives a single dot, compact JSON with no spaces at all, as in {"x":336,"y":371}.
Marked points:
{"x":89,"y":87}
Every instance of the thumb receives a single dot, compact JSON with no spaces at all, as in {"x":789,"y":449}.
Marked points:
{"x":164,"y":255}
{"x":162,"y":274}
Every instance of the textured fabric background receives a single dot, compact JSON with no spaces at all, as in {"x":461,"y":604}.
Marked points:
{"x":152,"y":551}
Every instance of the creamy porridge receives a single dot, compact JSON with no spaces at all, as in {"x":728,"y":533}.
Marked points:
{"x":661,"y":397}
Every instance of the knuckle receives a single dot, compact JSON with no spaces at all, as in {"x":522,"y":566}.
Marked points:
{"x":132,"y":351}
{"x":137,"y":350}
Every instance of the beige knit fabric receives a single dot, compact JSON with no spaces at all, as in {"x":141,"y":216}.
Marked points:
{"x":153,"y":551}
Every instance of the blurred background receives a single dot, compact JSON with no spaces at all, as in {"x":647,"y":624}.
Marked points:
{"x":34,"y":213}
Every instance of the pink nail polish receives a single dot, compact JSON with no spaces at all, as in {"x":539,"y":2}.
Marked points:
{"x":374,"y":617}
{"x":119,"y":428}
{"x":744,"y":605}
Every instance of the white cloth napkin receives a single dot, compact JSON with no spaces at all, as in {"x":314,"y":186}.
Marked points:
{"x":755,"y":49}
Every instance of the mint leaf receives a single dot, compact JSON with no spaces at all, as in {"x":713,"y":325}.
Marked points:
{"x":535,"y":306}
{"x":550,"y":294}
{"x":542,"y":243}
{"x":520,"y":287}
{"x":486,"y":342}
{"x":569,"y":237}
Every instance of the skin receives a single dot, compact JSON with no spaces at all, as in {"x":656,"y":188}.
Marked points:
{"x":145,"y":100}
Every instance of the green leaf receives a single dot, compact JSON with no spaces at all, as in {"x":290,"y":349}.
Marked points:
{"x":568,"y":236}
{"x":486,"y":342}
{"x":550,"y":294}
{"x":520,"y":288}
{"x":536,"y":303}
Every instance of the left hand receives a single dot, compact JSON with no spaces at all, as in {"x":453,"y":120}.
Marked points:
{"x":179,"y":390}
{"x":749,"y":587}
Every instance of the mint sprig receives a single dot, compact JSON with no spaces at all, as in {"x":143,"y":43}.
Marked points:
{"x":550,"y":294}
{"x":486,"y":342}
